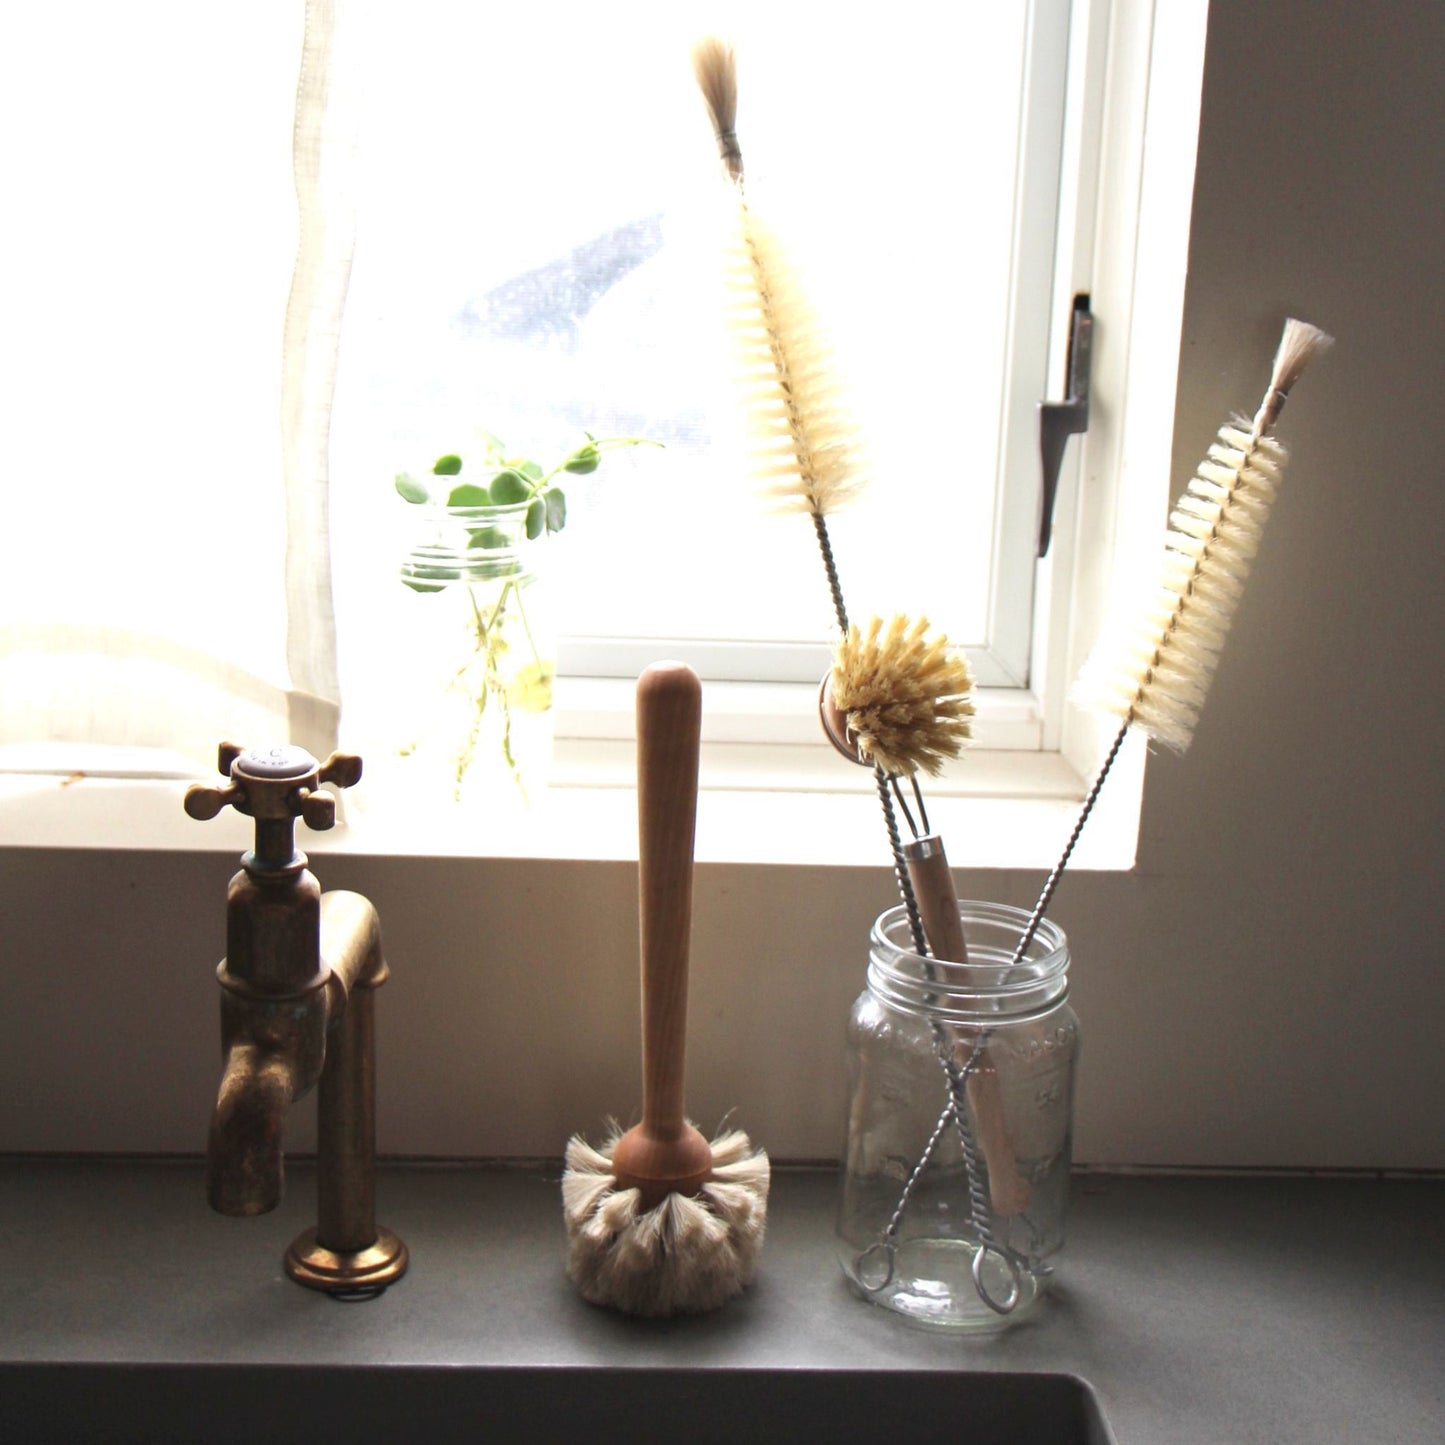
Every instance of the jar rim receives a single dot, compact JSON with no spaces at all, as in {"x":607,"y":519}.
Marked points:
{"x":471,"y":544}
{"x":491,"y":512}
{"x":989,"y":984}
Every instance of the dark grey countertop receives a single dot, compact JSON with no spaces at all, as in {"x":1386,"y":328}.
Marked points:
{"x":1199,"y":1309}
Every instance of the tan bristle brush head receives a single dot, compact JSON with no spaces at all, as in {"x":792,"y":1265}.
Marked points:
{"x":806,"y":449}
{"x":1156,"y":660}
{"x":898,"y":697}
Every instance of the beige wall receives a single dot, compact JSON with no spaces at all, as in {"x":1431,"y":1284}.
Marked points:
{"x":1266,"y":988}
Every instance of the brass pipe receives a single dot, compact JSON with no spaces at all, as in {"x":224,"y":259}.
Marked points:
{"x":347,"y":1253}
{"x":350,"y":939}
{"x":346,"y":1138}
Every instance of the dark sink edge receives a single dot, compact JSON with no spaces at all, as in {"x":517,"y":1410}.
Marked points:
{"x":117,"y":1402}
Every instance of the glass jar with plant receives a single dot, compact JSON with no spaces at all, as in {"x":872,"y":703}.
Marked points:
{"x":473,"y":565}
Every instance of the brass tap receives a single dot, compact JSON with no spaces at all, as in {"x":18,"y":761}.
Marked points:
{"x":297,"y":1011}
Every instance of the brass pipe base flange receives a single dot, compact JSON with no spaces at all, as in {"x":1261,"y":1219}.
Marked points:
{"x":361,"y":1272}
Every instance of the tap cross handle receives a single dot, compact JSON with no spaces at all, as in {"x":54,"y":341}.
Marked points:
{"x":277,"y":783}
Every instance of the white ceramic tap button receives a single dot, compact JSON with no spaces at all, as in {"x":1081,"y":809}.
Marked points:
{"x":282,"y":761}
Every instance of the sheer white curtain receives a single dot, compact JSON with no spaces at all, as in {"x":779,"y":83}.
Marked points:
{"x":172,"y":274}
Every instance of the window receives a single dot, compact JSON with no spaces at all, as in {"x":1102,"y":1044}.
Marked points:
{"x":537,"y":278}
{"x":525,"y":190}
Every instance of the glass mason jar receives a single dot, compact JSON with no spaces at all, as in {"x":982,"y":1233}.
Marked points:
{"x":955,"y":1179}
{"x":475,"y":653}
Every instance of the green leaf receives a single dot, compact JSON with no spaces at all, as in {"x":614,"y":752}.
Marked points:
{"x":489,"y":537}
{"x":556,"y":509}
{"x":411,"y":490}
{"x":447,"y":466}
{"x":583,"y":460}
{"x":508,"y":488}
{"x":493,"y":444}
{"x":469,"y":495}
{"x":531,"y":470}
{"x":536,"y":518}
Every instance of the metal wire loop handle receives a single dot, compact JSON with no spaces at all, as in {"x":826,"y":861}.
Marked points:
{"x":886,"y":1248}
{"x":1009,"y":1302}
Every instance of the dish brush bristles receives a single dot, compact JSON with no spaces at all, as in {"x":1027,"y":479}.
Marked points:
{"x":685,"y":1255}
{"x":1154,"y":669}
{"x":905,"y":695}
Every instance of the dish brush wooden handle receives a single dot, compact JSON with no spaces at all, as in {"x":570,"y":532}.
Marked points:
{"x":664,"y":1154}
{"x":937,"y":897}
{"x":1008,"y":1191}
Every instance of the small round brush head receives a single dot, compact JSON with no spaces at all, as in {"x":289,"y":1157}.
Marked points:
{"x":905,"y":696}
{"x":688,"y":1254}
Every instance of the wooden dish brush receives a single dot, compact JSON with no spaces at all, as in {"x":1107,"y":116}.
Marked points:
{"x":659,"y":1221}
{"x":898,"y":698}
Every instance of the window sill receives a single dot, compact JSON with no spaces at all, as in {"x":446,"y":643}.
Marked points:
{"x":759,"y":804}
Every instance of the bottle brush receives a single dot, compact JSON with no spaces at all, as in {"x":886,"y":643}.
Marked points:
{"x":1154,"y":664}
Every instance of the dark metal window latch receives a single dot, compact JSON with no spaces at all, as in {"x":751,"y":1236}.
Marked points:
{"x":1059,"y":420}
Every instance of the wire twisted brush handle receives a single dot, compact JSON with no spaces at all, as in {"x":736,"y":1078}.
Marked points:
{"x":1052,"y":881}
{"x":664,"y":1154}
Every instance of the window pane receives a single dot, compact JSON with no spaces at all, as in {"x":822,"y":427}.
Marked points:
{"x":528,"y":262}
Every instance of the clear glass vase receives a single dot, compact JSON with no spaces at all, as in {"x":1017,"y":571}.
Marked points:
{"x":473,"y":655}
{"x":955,"y":1178}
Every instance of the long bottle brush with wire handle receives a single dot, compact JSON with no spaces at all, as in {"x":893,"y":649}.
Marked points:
{"x":1157,"y":654}
{"x":808,"y":458}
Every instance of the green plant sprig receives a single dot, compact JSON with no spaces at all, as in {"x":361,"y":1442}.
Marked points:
{"x":502,"y":665}
{"x":513,"y":480}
